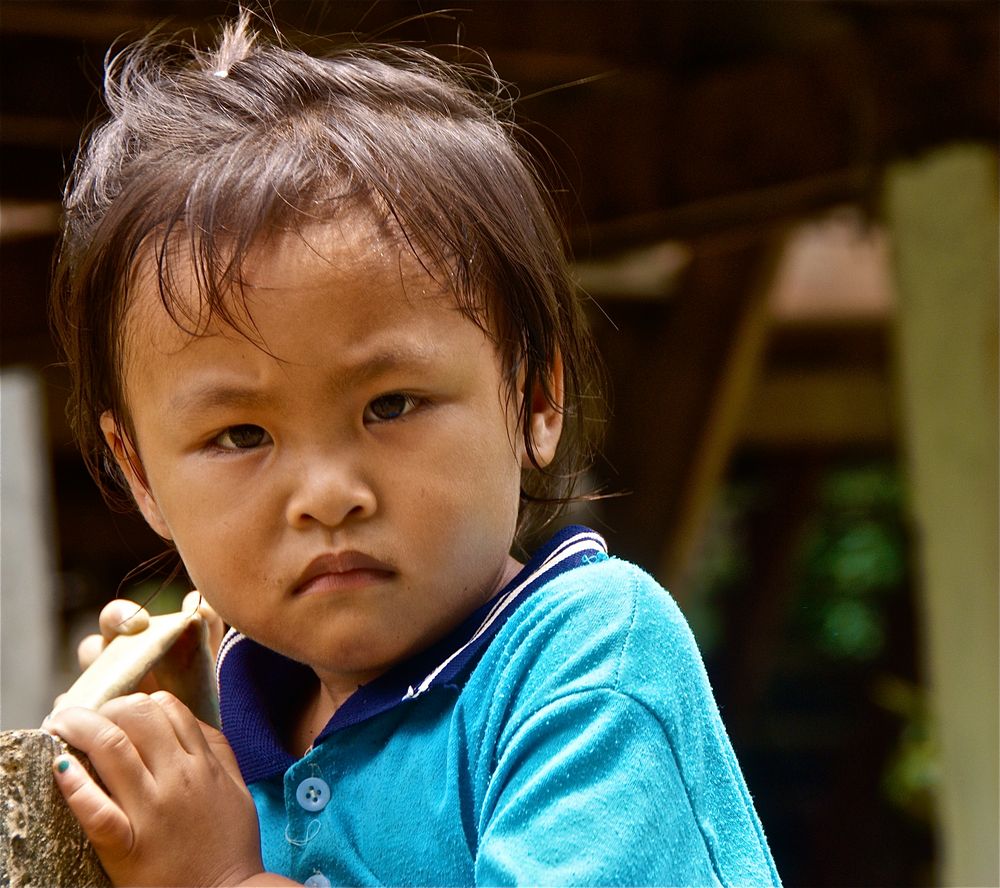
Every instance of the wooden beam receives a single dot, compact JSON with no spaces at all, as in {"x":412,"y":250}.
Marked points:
{"x":100,"y":23}
{"x":825,"y":407}
{"x":744,"y":211}
{"x":739,"y":369}
{"x":24,"y":129}
{"x":649,"y":272}
{"x":20,"y":219}
{"x":681,"y":370}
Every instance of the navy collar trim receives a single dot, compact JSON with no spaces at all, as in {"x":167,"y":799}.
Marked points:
{"x":253,"y":679}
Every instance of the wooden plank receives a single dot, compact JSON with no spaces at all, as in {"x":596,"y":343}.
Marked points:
{"x":739,"y":369}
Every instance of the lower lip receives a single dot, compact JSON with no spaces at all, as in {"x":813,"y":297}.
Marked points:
{"x":348,"y":581}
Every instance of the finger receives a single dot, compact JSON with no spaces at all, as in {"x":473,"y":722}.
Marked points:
{"x":199,"y":738}
{"x":223,"y":752}
{"x":185,"y":725}
{"x":216,"y":628}
{"x":109,"y":748}
{"x":89,"y":650}
{"x":122,"y":617}
{"x":194,"y":601}
{"x":148,"y":729}
{"x":104,"y":823}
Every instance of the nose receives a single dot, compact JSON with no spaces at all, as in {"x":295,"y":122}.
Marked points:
{"x":328,"y":490}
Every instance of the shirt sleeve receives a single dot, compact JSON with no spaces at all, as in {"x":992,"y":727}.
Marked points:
{"x":588,"y":792}
{"x":609,"y":764}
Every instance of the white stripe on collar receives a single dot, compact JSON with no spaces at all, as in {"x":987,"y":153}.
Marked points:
{"x":573,"y":546}
{"x":229,"y":641}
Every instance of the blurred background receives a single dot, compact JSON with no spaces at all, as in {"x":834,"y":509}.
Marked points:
{"x":785,"y":217}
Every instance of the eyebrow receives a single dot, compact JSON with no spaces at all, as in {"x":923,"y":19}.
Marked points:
{"x":385,"y":361}
{"x":215,"y":396}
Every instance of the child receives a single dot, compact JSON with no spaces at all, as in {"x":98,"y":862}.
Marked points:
{"x":322,"y":329}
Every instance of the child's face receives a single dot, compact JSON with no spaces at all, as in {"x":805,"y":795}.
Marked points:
{"x":349,"y":494}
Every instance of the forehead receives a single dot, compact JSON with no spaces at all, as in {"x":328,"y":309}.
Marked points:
{"x":179,"y":297}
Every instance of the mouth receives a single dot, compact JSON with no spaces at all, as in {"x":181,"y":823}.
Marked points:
{"x":341,"y":572}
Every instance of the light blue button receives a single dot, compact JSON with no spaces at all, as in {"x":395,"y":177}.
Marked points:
{"x":317,"y":880}
{"x":313,"y":794}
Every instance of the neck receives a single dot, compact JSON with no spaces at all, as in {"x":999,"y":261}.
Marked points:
{"x":318,"y":708}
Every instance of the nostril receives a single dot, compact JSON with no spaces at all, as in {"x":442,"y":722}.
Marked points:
{"x":328,"y":495}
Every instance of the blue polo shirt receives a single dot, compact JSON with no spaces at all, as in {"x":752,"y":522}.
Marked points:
{"x":564,"y":734}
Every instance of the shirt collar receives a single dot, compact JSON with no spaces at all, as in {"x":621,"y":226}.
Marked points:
{"x":251,"y":677}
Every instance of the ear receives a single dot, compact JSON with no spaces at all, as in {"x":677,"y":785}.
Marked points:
{"x":128,"y":461}
{"x":546,"y":416}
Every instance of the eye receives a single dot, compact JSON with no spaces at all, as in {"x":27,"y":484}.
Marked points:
{"x":242,"y":437}
{"x":389,"y":407}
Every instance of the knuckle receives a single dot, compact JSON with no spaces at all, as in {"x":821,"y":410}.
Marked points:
{"x":192,"y":600}
{"x":99,"y":817}
{"x":104,"y":826}
{"x":129,"y":709}
{"x":88,"y":649}
{"x":164,"y":698}
{"x":123,"y":617}
{"x":112,"y":738}
{"x":77,"y":792}
{"x":125,"y":703}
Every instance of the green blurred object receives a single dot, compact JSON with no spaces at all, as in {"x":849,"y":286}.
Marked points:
{"x":158,"y":597}
{"x":853,"y":561}
{"x":913,"y":770}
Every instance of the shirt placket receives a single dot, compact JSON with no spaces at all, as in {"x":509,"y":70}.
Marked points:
{"x":307,"y":794}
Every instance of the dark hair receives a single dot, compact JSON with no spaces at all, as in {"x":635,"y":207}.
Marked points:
{"x":213,"y":149}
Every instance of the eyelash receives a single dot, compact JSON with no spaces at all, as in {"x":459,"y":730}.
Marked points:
{"x":410,"y":403}
{"x":233,"y":447}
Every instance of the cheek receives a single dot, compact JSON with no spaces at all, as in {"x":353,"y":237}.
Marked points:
{"x":218,"y":549}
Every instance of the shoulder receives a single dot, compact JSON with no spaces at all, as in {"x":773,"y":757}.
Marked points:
{"x":618,"y":599}
{"x":606,"y":626}
{"x":608,"y":592}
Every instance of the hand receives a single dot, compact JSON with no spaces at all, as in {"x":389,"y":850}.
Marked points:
{"x":175,"y":811}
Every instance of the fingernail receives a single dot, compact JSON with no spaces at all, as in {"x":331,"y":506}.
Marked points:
{"x":62,"y":764}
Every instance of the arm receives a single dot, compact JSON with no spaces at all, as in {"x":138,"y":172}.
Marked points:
{"x":606,"y":761}
{"x":175,"y":810}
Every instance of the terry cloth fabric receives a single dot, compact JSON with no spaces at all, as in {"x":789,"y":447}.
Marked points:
{"x":565,"y":734}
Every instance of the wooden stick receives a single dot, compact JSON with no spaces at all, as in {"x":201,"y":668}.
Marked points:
{"x":176,"y":644}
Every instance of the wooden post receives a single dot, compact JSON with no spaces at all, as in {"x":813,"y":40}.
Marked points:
{"x":27,"y":540}
{"x":41,"y":842}
{"x":942,"y":211}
